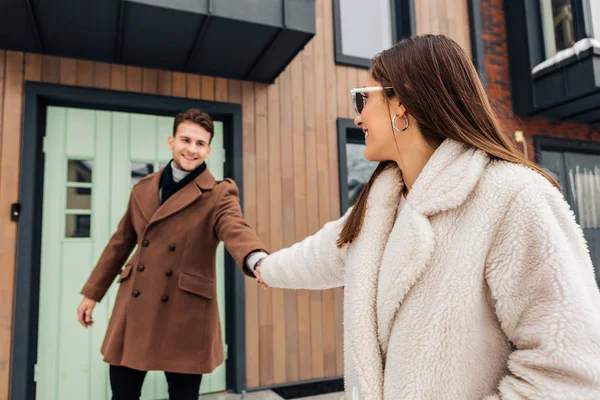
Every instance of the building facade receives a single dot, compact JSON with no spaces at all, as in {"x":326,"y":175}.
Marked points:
{"x":85,"y":111}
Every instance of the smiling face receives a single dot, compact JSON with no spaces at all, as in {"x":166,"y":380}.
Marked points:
{"x":190,"y":145}
{"x":382,"y":142}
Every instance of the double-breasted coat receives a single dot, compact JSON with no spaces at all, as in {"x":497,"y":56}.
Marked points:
{"x":165,"y":315}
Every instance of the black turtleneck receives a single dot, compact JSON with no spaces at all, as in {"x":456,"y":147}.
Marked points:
{"x":169,"y":187}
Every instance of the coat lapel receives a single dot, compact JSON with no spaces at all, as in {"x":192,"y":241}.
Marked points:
{"x":146,"y":196}
{"x":364,"y":367}
{"x":184,"y":196}
{"x":445,"y":183}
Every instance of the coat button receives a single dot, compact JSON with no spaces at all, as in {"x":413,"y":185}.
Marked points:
{"x":141,"y":268}
{"x":168,"y":272}
{"x":171,"y":247}
{"x":164,"y":299}
{"x":145,"y":243}
{"x":136,"y":293}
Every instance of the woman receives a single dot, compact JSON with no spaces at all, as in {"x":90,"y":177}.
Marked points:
{"x":465,"y":274}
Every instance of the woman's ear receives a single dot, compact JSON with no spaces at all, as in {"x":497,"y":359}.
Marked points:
{"x":401,"y":110}
{"x":396,"y":107}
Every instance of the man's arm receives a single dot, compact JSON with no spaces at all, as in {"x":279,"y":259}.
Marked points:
{"x":240,"y":239}
{"x":113,"y":257}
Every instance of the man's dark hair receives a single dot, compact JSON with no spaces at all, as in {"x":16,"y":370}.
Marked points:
{"x":196,"y":116}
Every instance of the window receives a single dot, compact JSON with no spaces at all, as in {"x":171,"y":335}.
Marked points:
{"x":364,"y":28}
{"x":78,"y":207}
{"x":557,"y":25}
{"x":354,"y":169}
{"x":554,"y":58}
{"x":140,"y":170}
{"x":595,"y":17}
{"x":576,"y":165}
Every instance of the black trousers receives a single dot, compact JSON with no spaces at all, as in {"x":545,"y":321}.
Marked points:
{"x":126,"y":384}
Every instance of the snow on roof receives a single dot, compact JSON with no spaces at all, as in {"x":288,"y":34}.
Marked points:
{"x":562,"y":55}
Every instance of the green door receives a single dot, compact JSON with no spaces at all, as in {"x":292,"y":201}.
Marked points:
{"x":92,"y":159}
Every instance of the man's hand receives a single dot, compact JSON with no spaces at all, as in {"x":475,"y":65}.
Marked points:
{"x":84,"y":312}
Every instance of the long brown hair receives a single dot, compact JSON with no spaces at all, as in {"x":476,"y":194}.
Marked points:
{"x":438,"y":85}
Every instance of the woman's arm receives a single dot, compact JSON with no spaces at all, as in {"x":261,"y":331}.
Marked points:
{"x":546,"y":298}
{"x":314,"y":263}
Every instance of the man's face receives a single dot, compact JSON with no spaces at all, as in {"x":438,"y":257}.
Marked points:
{"x":190,"y":146}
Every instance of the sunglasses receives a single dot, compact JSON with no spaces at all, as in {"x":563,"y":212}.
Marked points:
{"x":359,"y":99}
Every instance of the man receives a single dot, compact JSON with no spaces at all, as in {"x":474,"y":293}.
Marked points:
{"x":165,"y":315}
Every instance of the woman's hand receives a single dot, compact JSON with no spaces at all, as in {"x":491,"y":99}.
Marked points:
{"x":258,"y":277}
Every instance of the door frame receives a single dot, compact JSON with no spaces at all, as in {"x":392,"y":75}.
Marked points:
{"x":563,"y":144}
{"x":38,"y":96}
{"x":547,"y":143}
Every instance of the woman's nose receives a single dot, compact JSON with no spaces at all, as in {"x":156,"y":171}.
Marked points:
{"x":358,"y":121}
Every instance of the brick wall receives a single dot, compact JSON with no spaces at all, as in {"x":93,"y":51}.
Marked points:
{"x":498,"y":82}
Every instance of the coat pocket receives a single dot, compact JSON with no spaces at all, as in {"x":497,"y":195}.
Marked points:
{"x":196,"y":284}
{"x":126,"y":272}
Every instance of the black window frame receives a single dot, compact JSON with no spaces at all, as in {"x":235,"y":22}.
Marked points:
{"x":403,"y":25}
{"x":526,"y":49}
{"x":582,"y":25}
{"x":347,"y":133}
{"x":476,"y":36}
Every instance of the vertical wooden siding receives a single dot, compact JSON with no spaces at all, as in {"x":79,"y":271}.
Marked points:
{"x":450,"y":18}
{"x":290,"y":178}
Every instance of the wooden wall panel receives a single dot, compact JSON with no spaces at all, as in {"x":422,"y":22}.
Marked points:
{"x":164,"y":83}
{"x":10,"y":160}
{"x":332,"y":186}
{"x":447,"y":17}
{"x":33,"y":67}
{"x":275,"y":229}
{"x":193,"y":86}
{"x":6,"y":289}
{"x":118,"y":77}
{"x":253,"y":366}
{"x":265,"y":309}
{"x":102,"y":75}
{"x":208,"y":88}
{"x":287,"y":230}
{"x":51,"y":69}
{"x":85,"y":73}
{"x":290,"y":178}
{"x":221,"y":90}
{"x":234,"y":91}
{"x":149,"y":81}
{"x":301,"y":209}
{"x":68,"y":71}
{"x":179,"y":84}
{"x":134,"y":79}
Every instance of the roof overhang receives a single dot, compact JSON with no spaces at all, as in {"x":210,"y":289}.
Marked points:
{"x":238,"y":39}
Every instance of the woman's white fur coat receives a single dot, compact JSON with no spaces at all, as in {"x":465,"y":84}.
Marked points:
{"x":482,"y":288}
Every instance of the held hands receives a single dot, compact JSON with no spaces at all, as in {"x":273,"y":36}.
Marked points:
{"x":84,"y":312}
{"x":258,"y":276}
